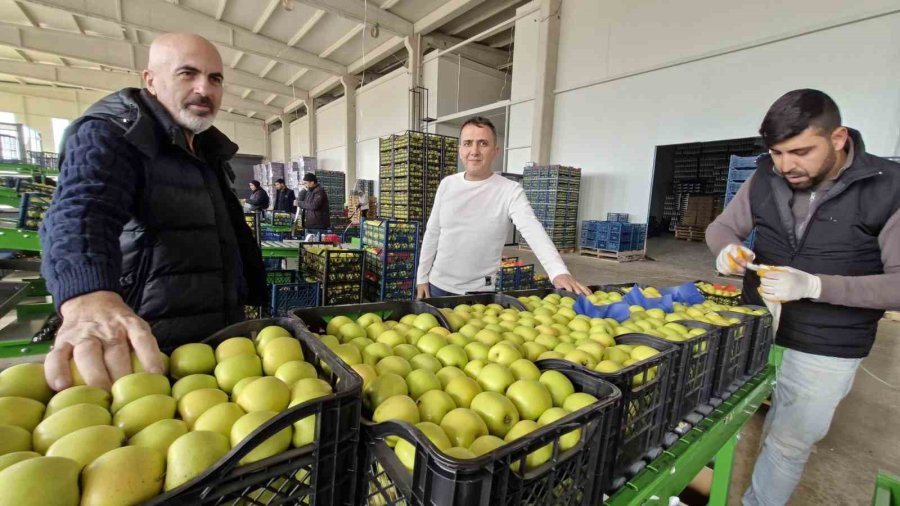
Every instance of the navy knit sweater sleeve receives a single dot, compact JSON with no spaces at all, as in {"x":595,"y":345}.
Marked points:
{"x":92,"y":204}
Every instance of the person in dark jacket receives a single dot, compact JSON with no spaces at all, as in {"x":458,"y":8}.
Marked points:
{"x":827,"y":219}
{"x":284,"y":198}
{"x":315,"y":206}
{"x":258,"y":199}
{"x":129,"y":270}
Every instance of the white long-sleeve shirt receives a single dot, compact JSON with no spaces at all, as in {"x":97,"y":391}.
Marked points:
{"x":467,"y":229}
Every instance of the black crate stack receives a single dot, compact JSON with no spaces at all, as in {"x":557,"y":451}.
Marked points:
{"x":553,"y":192}
{"x":412,"y":165}
{"x":702,"y":169}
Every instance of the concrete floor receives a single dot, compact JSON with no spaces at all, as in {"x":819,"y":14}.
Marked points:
{"x":865,"y":432}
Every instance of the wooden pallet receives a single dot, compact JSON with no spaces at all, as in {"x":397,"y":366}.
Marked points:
{"x":618,"y":256}
{"x":562,"y":251}
{"x":688,"y":233}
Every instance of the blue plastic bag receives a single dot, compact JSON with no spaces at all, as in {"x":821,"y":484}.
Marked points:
{"x":636,"y":297}
{"x":686,"y":294}
{"x":617,"y":311}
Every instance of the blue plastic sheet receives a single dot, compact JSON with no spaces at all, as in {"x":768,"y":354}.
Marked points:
{"x":686,"y":294}
{"x":617,"y":311}
{"x":636,"y":297}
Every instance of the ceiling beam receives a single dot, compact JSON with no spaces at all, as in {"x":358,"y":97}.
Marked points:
{"x":374,"y":56}
{"x":78,"y":24}
{"x":298,"y":75}
{"x":24,"y":56}
{"x":389,"y":4}
{"x":237,"y":59}
{"x":162,"y":16}
{"x":447,"y":12}
{"x":220,"y":9}
{"x":114,"y":53}
{"x":489,"y":11}
{"x":347,"y":37}
{"x":473,"y":51}
{"x":310,"y":23}
{"x":28,"y":16}
{"x":109,"y":81}
{"x":265,"y":15}
{"x":268,"y":68}
{"x":355,"y":10}
{"x":270,"y":99}
{"x":502,"y":39}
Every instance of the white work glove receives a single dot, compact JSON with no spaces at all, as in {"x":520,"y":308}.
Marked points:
{"x":733,"y":259}
{"x":786,"y":284}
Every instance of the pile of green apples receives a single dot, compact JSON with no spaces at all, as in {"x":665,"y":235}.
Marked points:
{"x":468,"y":396}
{"x":151,"y":432}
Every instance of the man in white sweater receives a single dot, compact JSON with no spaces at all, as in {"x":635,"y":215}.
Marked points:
{"x":468,"y":225}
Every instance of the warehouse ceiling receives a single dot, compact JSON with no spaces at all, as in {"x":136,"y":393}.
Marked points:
{"x":275,"y":51}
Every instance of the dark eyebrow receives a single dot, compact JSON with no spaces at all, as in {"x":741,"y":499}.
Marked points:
{"x":188,"y":68}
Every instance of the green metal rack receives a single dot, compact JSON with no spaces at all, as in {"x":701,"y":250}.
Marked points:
{"x":19,"y":240}
{"x":280,"y":249}
{"x":887,"y":490}
{"x":713,"y":438}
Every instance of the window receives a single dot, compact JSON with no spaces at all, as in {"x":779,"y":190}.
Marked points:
{"x":59,"y":129}
{"x":7,"y":117}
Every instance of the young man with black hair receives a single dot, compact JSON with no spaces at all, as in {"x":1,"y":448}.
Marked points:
{"x":284,"y":198}
{"x":315,"y":205}
{"x":467,"y":229}
{"x":827,"y":216}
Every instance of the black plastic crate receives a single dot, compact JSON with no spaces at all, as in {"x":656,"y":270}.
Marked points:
{"x":287,"y":296}
{"x":252,"y":220}
{"x":32,"y":210}
{"x":762,"y":338}
{"x":731,"y":359}
{"x":452,"y":301}
{"x":281,"y":219}
{"x":695,"y":368}
{"x":316,"y":319}
{"x":320,"y":473}
{"x":641,"y":422}
{"x":281,"y":277}
{"x":569,"y":477}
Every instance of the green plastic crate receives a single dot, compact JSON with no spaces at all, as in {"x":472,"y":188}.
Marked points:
{"x":887,"y":490}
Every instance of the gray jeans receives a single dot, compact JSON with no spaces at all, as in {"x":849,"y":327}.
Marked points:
{"x":807,"y":391}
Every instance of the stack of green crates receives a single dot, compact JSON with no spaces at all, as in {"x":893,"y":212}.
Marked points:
{"x":411,"y":166}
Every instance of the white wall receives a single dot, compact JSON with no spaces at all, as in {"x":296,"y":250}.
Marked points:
{"x":35,"y":107}
{"x":456,"y":84}
{"x":613,"y":109}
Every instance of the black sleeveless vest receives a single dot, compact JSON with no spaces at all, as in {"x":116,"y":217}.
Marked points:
{"x":841,"y":238}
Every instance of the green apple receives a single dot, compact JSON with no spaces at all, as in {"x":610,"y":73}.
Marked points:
{"x":477,"y":351}
{"x":407,"y":351}
{"x":642,"y":352}
{"x":503,"y":354}
{"x":406,"y":451}
{"x":233,"y":347}
{"x":530,"y":397}
{"x":463,"y":390}
{"x":328,"y":340}
{"x":192,"y":358}
{"x":247,"y":424}
{"x":139,"y":414}
{"x":463,"y":426}
{"x":368,"y":319}
{"x":376,"y":329}
{"x":361,"y":343}
{"x":430,"y":343}
{"x":547,"y":355}
{"x":567,"y":440}
{"x":295,"y":370}
{"x":381,"y":388}
{"x":267,"y":335}
{"x":425,"y":361}
{"x":547,"y":341}
{"x":497,"y":411}
{"x":413,"y":335}
{"x":366,"y":372}
{"x":445,"y":374}
{"x":564,"y":348}
{"x":236,"y":368}
{"x":558,"y":385}
{"x":278,"y":351}
{"x":133,"y":386}
{"x":196,"y":402}
{"x":473,"y":368}
{"x":219,"y":418}
{"x":398,"y":407}
{"x":616,"y":354}
{"x":350,"y":331}
{"x":240,"y":386}
{"x":397,"y":365}
{"x":79,"y":394}
{"x":335,"y":324}
{"x":581,"y":358}
{"x":469,"y":330}
{"x":457,"y":339}
{"x":524,"y":369}
{"x":421,"y":381}
{"x":264,"y":394}
{"x":459,"y":453}
{"x":452,"y":355}
{"x":495,"y":378}
{"x":607,"y":367}
{"x":488,"y":337}
{"x":434,"y":404}
{"x":348,"y":353}
{"x":373,"y":353}
{"x":578,"y":400}
{"x":310,"y":388}
{"x":392,"y":338}
{"x":486,"y":444}
{"x":535,"y":458}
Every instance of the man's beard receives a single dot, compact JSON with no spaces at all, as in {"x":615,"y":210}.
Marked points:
{"x":194,"y":123}
{"x":824,"y":172}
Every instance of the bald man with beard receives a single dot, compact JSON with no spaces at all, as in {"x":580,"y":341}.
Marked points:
{"x":145,"y":245}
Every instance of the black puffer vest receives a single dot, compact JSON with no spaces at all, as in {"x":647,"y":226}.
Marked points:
{"x":841,"y":238}
{"x":189,"y":262}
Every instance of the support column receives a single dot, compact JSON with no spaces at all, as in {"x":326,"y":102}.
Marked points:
{"x":286,"y":135}
{"x":268,"y":151}
{"x":311,"y":125}
{"x":350,"y":83}
{"x":413,"y":45}
{"x":545,"y":81}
